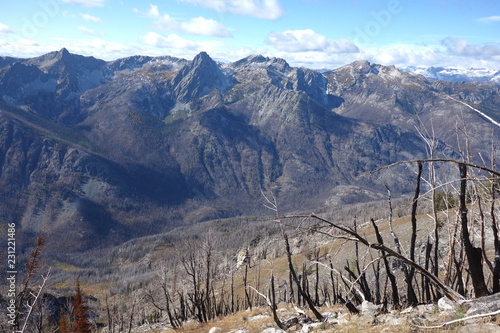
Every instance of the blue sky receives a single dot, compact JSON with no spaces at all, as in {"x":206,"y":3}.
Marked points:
{"x":310,"y":33}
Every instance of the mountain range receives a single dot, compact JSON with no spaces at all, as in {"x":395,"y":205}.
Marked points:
{"x":99,"y":152}
{"x":456,"y":74}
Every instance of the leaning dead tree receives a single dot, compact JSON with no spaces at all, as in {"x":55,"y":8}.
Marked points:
{"x":476,"y":256}
{"x":389,"y":252}
{"x":469,"y":255}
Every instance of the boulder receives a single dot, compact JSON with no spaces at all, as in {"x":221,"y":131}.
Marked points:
{"x":368,"y":308}
{"x":483,"y":305}
{"x":445,"y":304}
{"x":215,"y":330}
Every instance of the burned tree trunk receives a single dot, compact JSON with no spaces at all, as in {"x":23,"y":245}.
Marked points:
{"x":307,"y":299}
{"x":474,"y":254}
{"x":496,"y":267}
{"x":392,"y":278}
{"x":412,"y":297}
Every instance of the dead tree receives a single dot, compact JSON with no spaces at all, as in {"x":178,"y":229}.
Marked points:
{"x":307,"y":299}
{"x":412,"y":297}
{"x":450,"y":293}
{"x":274,"y":306}
{"x":474,"y":254}
{"x":26,"y":299}
{"x":168,"y":304}
{"x":496,"y":268}
{"x":190,"y":262}
{"x":392,"y":278}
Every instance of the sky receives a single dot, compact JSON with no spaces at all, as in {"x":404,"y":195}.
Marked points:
{"x":321,"y":34}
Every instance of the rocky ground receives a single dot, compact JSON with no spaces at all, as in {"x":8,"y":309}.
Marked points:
{"x":480,"y":315}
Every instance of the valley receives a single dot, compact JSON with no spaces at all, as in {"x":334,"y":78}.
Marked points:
{"x":143,"y":165}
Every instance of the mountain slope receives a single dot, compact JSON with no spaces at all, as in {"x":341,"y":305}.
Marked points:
{"x":381,"y":94}
{"x":105,"y":151}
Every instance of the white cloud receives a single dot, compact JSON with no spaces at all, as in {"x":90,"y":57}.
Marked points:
{"x":88,"y":31}
{"x":308,"y":40}
{"x":489,"y":19}
{"x":199,"y":26}
{"x":205,"y":27}
{"x":91,"y":18}
{"x":96,"y":47}
{"x":342,"y":45}
{"x":163,"y":22}
{"x":171,"y":41}
{"x":461,"y":47}
{"x":297,"y":40}
{"x":264,"y":9}
{"x":87,"y":3}
{"x":5,"y":30}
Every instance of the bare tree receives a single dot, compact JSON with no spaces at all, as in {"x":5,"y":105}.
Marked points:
{"x":474,"y":254}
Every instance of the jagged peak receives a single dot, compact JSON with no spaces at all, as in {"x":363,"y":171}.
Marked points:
{"x":64,"y":52}
{"x":202,"y":58}
{"x":258,"y":60}
{"x":363,"y":67}
{"x":280,"y":61}
{"x":198,"y":78}
{"x":56,"y":55}
{"x":253,"y":58}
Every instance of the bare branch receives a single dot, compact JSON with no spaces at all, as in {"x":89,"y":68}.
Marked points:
{"x":268,"y":301}
{"x":32,"y":304}
{"x":452,"y":294}
{"x":438,"y":160}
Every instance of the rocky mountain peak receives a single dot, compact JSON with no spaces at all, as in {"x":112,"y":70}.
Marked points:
{"x":251,"y":59}
{"x":203,"y":59}
{"x":363,"y":67}
{"x":198,"y":78}
{"x":63,"y":53}
{"x":279,"y":64}
{"x":259,"y":61}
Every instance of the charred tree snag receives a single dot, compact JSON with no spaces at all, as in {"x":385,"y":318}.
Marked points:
{"x":474,"y":254}
{"x":450,"y":293}
{"x":412,"y":297}
{"x":392,"y":278}
{"x":307,"y":299}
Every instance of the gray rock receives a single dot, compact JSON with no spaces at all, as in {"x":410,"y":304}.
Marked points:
{"x":368,"y":308}
{"x":480,"y":328}
{"x":215,"y":330}
{"x":445,"y":304}
{"x":483,"y":305}
{"x":273,"y":330}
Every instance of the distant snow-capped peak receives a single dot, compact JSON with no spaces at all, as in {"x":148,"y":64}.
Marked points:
{"x":456,"y":74}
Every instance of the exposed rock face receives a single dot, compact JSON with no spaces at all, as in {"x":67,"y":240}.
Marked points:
{"x":102,"y":151}
{"x":199,"y":78}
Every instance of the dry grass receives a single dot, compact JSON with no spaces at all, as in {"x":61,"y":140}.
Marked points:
{"x":253,"y":321}
{"x":258,"y":319}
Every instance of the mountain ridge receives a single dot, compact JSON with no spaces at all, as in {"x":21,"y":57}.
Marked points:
{"x":142,"y":144}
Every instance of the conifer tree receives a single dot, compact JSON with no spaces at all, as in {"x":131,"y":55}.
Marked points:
{"x":80,"y":312}
{"x":64,"y":326}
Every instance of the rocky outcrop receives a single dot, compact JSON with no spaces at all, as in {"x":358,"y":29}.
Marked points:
{"x":198,"y":78}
